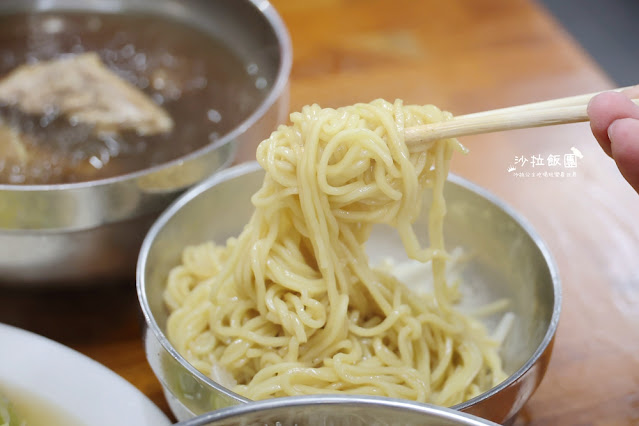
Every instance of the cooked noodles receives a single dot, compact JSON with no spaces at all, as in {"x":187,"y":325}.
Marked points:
{"x":292,"y":306}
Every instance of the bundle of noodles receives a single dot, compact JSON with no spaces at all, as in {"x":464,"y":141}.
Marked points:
{"x":291,"y":306}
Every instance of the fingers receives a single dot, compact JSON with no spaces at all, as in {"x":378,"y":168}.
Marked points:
{"x":624,"y":134}
{"x":607,"y":107}
{"x":614,"y":120}
{"x":632,"y":93}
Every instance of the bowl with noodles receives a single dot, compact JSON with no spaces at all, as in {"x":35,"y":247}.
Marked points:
{"x":346,"y":262}
{"x":110,"y":109}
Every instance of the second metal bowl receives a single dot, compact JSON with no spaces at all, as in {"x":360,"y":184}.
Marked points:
{"x":336,"y":410}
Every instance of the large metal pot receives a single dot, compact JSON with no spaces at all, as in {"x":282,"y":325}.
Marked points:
{"x":90,"y":232}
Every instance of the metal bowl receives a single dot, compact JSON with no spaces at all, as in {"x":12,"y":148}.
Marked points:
{"x":509,"y":260}
{"x":90,"y":232}
{"x":335,"y":411}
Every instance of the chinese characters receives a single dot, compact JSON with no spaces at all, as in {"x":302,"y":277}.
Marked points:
{"x":553,"y":165}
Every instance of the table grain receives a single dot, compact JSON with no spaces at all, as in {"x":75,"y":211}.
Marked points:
{"x":464,"y":56}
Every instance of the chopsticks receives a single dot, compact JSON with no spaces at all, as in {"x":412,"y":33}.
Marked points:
{"x":546,"y":113}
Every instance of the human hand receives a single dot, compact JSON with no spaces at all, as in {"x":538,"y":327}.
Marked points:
{"x":614,"y":120}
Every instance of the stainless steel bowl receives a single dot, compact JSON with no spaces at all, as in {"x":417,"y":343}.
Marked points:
{"x":509,"y":260}
{"x":335,"y":411}
{"x":89,"y":232}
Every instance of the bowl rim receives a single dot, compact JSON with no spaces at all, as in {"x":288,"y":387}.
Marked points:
{"x":363,"y":401}
{"x":250,"y":167}
{"x":285,"y":49}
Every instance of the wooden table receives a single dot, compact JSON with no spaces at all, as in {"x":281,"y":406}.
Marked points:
{"x":464,"y":56}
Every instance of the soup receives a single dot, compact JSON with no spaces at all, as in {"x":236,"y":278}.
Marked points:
{"x":27,"y":409}
{"x":203,"y":87}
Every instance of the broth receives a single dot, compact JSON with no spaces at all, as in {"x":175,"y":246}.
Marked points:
{"x":33,"y":410}
{"x":205,"y":88}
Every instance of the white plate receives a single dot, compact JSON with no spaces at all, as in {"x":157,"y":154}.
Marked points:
{"x":72,"y":382}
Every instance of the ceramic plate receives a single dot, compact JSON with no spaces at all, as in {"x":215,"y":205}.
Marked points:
{"x":47,"y":373}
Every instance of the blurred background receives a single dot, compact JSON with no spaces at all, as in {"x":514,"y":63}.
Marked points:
{"x":607,"y":29}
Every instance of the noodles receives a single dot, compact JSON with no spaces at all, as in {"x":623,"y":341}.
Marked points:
{"x":291,"y":306}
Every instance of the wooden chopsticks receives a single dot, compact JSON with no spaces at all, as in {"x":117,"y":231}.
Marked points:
{"x":546,"y":113}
